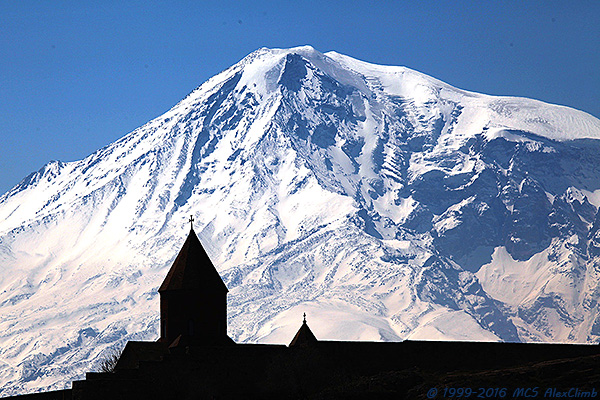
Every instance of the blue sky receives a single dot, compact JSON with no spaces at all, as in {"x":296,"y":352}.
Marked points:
{"x":77,"y":75}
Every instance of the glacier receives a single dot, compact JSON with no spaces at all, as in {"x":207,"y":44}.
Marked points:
{"x":384,"y":203}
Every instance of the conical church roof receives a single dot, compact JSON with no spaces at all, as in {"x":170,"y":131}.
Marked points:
{"x":304,"y":336}
{"x":192,"y":269}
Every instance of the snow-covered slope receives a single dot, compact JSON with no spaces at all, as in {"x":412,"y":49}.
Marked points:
{"x":383,"y":203}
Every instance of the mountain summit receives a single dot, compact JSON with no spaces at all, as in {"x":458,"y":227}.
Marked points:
{"x":387,"y":204}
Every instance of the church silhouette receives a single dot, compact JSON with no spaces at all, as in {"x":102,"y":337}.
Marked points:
{"x":195,"y":359}
{"x":193,"y":300}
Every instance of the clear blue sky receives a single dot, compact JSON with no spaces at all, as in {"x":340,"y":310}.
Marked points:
{"x":77,"y":75}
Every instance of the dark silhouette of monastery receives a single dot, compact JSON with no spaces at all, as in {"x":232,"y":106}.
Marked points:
{"x":193,"y":300}
{"x":195,"y":359}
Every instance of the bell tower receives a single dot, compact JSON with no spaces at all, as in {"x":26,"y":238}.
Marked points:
{"x":193,"y":299}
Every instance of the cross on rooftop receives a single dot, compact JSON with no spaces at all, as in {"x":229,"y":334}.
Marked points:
{"x":192,"y":221}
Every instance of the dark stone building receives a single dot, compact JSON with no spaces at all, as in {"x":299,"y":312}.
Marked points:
{"x":195,"y":359}
{"x":193,"y":299}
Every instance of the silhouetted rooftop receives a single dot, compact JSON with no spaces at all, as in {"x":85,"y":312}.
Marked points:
{"x":192,"y":269}
{"x":304,"y":335}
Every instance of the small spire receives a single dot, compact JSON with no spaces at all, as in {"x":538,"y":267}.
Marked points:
{"x":191,"y":221}
{"x":304,"y":336}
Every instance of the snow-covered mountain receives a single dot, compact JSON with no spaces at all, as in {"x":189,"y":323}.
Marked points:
{"x":385,"y":204}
